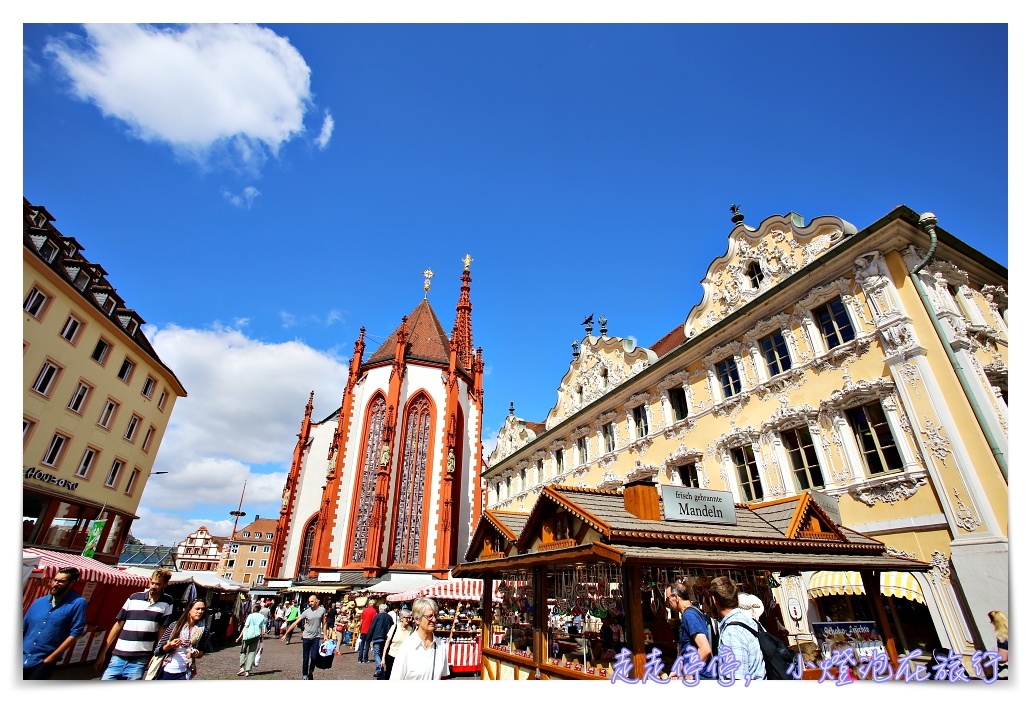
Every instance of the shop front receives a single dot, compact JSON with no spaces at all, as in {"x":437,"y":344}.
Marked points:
{"x":585,"y":579}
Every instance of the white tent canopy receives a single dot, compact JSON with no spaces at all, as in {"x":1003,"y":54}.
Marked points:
{"x":200,"y":578}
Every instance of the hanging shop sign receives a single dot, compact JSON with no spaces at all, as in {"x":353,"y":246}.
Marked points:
{"x":96,"y":527}
{"x":37,"y":474}
{"x":695,"y":505}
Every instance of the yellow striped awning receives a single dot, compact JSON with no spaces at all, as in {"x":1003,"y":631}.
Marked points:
{"x":849,"y":582}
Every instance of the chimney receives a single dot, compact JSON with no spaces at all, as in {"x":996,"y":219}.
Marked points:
{"x":641,"y":499}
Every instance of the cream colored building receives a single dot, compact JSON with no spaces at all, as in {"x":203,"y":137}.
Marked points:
{"x":811,"y":362}
{"x":96,"y":397}
{"x":250,"y":551}
{"x":201,"y":550}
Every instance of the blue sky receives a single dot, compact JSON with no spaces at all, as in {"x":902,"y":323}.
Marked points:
{"x":258,"y":193}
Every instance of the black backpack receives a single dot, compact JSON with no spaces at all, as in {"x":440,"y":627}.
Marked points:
{"x":778,"y":658}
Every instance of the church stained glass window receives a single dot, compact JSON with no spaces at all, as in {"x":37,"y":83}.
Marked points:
{"x":367,"y":494}
{"x":407,"y":545}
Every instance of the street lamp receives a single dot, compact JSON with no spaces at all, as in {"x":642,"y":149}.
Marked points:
{"x":158,"y":472}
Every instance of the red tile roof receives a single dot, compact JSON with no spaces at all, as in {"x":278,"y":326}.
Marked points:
{"x":427,"y":341}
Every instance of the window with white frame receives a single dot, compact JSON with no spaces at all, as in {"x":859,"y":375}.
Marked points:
{"x":35,"y":302}
{"x":729,"y":378}
{"x":47,"y":251}
{"x":250,"y":562}
{"x":640,"y":421}
{"x":133,"y":479}
{"x":53,"y":453}
{"x":107,"y":414}
{"x":78,"y":401}
{"x":678,"y":403}
{"x":266,"y":549}
{"x":132,"y":427}
{"x":148,"y":386}
{"x":100,"y":351}
{"x":263,"y":563}
{"x":833,"y":323}
{"x":803,"y":459}
{"x":269,"y":536}
{"x":260,"y":579}
{"x":876,"y":443}
{"x":774,"y":351}
{"x":46,"y":379}
{"x":147,"y":437}
{"x":161,"y":401}
{"x":754,"y":274}
{"x":72,"y":327}
{"x":744,"y":461}
{"x":27,"y":425}
{"x":608,"y":434}
{"x":688,"y":475}
{"x":253,"y":549}
{"x":125,"y":372}
{"x":559,"y":460}
{"x":113,"y":474}
{"x":581,"y":450}
{"x":89,"y":459}
{"x":230,"y":564}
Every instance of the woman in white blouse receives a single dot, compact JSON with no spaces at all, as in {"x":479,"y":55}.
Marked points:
{"x":184,"y":643}
{"x":423,"y":655}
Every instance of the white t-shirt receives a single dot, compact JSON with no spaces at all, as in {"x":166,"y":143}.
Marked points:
{"x":414,"y":661}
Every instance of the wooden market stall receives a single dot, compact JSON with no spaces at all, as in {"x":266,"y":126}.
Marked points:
{"x":585,"y":576}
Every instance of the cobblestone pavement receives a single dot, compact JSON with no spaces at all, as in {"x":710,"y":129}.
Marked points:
{"x":278,"y":662}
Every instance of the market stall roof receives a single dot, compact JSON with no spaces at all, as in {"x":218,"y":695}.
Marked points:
{"x":399,"y":582}
{"x":89,"y":570}
{"x":462,"y":589}
{"x":347,"y":580}
{"x":201,"y":578}
{"x":507,"y":524}
{"x":849,"y":582}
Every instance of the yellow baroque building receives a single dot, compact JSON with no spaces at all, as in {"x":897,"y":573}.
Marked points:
{"x":868,"y":367}
{"x":96,"y":397}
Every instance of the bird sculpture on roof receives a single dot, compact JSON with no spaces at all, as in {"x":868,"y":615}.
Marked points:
{"x":589,"y":319}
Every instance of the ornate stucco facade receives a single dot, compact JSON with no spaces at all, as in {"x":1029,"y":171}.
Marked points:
{"x":390,"y":481}
{"x":811,"y":362}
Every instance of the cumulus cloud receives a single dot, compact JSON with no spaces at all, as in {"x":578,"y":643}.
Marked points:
{"x":156,"y":528}
{"x":239,"y":422}
{"x":327,"y":131}
{"x":239,"y":89}
{"x":244,"y":199}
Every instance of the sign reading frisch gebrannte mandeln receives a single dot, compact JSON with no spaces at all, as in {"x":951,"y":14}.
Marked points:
{"x":684,"y":504}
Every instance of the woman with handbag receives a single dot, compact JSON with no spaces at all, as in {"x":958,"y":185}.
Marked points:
{"x":398,"y":633}
{"x":182,"y":644}
{"x":251,"y":636}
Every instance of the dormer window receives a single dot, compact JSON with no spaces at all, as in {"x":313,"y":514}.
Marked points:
{"x":754,"y":274}
{"x":108,"y":305}
{"x":82,"y":280}
{"x":47,"y":251}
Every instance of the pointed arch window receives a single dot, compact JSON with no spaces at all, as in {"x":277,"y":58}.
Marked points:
{"x":367,"y":489}
{"x":308,"y":546}
{"x":407,"y":536}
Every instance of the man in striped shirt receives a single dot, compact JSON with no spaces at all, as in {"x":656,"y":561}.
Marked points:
{"x":137,"y":628}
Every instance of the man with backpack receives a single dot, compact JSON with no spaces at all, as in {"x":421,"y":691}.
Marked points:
{"x":696,"y":628}
{"x":738,"y":633}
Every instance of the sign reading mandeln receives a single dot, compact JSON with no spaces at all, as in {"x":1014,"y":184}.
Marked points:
{"x":694,"y":505}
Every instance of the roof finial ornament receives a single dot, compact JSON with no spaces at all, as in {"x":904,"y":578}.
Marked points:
{"x":511,"y":407}
{"x":575,"y":349}
{"x":467,"y":261}
{"x":428,"y":273}
{"x":738,"y":216}
{"x":604,"y":325}
{"x":588,"y":323}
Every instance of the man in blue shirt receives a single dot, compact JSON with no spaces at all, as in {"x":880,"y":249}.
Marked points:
{"x":51,"y":625}
{"x":693,"y":629}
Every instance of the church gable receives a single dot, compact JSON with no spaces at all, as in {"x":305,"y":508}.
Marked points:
{"x":601,"y":364}
{"x":756,"y":260}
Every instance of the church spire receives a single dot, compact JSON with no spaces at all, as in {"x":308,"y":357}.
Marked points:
{"x":461,"y":337}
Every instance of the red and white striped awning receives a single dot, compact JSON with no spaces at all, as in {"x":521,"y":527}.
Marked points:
{"x":89,"y":570}
{"x":461,"y":589}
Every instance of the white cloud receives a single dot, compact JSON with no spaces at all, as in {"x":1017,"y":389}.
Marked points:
{"x":235,"y":89}
{"x":167,"y":529}
{"x":244,"y":199}
{"x":327,"y":131}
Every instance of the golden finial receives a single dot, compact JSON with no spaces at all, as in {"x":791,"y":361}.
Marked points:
{"x":467,"y":261}
{"x":428,"y":273}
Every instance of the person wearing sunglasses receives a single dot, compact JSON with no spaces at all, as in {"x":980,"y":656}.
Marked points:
{"x":399,"y":633}
{"x":51,"y":625}
{"x":423,"y":655}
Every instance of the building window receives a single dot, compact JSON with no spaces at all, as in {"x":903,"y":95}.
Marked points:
{"x":132,"y":428}
{"x":581,"y":449}
{"x":250,"y":562}
{"x":79,"y":397}
{"x":107,"y":414}
{"x":266,"y":549}
{"x":46,"y":379}
{"x":604,"y":378}
{"x":54,"y":451}
{"x":688,"y":475}
{"x":678,"y":403}
{"x":754,"y":274}
{"x":832,"y":319}
{"x":608,"y":434}
{"x":35,"y":303}
{"x":112,"y":475}
{"x":245,"y":534}
{"x":161,"y":401}
{"x":125,"y":372}
{"x":148,"y":387}
{"x":100,"y":351}
{"x":264,"y":563}
{"x":376,"y":418}
{"x":89,"y":457}
{"x":269,"y":536}
{"x":729,"y":380}
{"x":640,"y":421}
{"x":803,"y":461}
{"x":27,"y":425}
{"x":559,"y":460}
{"x":133,"y":479}
{"x":875,"y":441}
{"x":82,"y":280}
{"x":774,"y":349}
{"x":417,"y":447}
{"x":307,"y":547}
{"x":253,"y":549}
{"x":47,"y":251}
{"x":747,"y":473}
{"x":230,"y":564}
{"x":260,"y":579}
{"x":146,"y":439}
{"x":71,"y":328}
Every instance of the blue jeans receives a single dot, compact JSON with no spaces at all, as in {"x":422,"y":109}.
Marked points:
{"x":307,"y":660}
{"x":125,"y":668}
{"x":363,"y":645}
{"x":377,"y":654}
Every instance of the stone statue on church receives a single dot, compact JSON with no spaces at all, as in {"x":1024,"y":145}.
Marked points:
{"x":450,"y":460}
{"x":384,"y":455}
